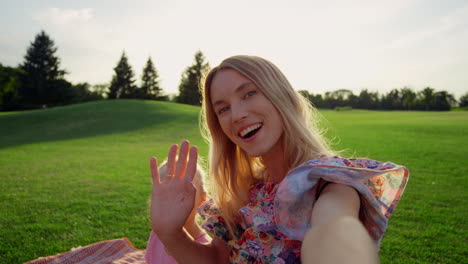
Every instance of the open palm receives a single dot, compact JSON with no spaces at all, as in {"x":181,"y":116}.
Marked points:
{"x":173,"y":195}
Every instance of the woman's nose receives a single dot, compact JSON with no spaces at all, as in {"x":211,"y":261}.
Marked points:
{"x":239,"y":112}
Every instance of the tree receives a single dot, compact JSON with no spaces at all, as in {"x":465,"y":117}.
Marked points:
{"x":392,"y":101}
{"x":339,"y":98}
{"x":443,"y":101}
{"x":150,"y":88}
{"x":315,"y":100}
{"x":41,"y":83}
{"x":102,"y":89}
{"x":9,"y":86}
{"x":189,"y":92}
{"x":463,"y":100}
{"x":408,"y":98}
{"x":425,"y":99}
{"x":123,"y":83}
{"x":85,"y":93}
{"x":367,"y":100}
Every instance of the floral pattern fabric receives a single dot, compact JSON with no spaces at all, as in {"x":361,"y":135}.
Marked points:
{"x":275,"y":220}
{"x":259,"y":241}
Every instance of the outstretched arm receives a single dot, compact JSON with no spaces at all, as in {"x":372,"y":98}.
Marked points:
{"x":337,"y":235}
{"x":172,"y":200}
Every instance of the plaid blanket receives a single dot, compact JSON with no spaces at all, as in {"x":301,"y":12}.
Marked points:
{"x":111,"y":251}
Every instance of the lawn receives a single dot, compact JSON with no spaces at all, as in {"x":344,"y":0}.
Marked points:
{"x":79,"y":174}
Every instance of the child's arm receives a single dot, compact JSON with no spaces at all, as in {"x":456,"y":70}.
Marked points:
{"x":337,"y":235}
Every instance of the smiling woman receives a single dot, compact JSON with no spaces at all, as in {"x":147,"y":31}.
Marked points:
{"x":279,"y":193}
{"x":245,"y":115}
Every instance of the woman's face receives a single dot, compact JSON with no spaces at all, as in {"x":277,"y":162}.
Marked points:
{"x":245,"y":115}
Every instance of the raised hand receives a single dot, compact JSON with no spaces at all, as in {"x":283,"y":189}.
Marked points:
{"x":173,"y":195}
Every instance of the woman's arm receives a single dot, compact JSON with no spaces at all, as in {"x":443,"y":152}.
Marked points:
{"x":172,"y":201}
{"x":185,"y":250}
{"x":337,"y":235}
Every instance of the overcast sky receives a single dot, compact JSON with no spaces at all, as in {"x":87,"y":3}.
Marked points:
{"x":320,"y":45}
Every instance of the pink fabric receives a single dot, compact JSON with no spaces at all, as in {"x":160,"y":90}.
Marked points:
{"x":117,"y":251}
{"x":156,"y":253}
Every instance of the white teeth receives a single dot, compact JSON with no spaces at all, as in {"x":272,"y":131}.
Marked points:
{"x":249,"y":129}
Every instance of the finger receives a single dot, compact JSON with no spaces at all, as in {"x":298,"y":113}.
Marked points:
{"x":181,"y":164}
{"x":154,"y":171}
{"x":192,"y":164}
{"x":170,"y":165}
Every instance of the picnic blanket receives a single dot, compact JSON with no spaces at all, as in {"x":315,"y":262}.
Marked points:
{"x":117,"y":251}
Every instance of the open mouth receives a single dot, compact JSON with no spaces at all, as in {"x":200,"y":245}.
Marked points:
{"x":250,"y":131}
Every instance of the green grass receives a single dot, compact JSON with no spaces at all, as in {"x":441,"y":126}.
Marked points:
{"x":79,"y":174}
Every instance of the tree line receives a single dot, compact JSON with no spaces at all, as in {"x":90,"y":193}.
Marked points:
{"x":40,"y":82}
{"x":404,"y":98}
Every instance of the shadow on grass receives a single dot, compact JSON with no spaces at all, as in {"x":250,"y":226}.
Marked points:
{"x":89,"y":120}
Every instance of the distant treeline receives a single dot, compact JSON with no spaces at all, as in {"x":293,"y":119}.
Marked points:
{"x":39,"y":82}
{"x":396,"y":99}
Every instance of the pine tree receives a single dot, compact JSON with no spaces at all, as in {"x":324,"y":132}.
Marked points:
{"x":189,"y":92}
{"x":150,"y":88}
{"x":43,"y":80}
{"x":123,"y":83}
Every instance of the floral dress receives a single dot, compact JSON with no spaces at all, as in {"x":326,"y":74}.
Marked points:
{"x":275,"y":220}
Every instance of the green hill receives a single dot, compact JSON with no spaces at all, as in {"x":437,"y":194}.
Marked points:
{"x":71,"y":176}
{"x":79,"y":174}
{"x":95,"y":119}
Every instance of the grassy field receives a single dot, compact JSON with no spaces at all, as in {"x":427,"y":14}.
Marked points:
{"x":79,"y":174}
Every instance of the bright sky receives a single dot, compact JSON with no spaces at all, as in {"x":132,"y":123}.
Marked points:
{"x":319,"y":45}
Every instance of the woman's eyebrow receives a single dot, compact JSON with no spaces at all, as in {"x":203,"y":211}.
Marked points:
{"x":242,"y":86}
{"x":217,"y":103}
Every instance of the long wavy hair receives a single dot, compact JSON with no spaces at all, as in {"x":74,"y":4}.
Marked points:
{"x":231,"y":170}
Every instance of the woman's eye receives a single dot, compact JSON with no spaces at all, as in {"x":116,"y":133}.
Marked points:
{"x":250,"y":93}
{"x":222,"y":110}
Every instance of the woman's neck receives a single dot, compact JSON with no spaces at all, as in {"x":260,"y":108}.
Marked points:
{"x":275,"y":163}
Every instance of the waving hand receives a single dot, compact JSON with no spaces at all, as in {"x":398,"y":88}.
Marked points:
{"x":173,"y":194}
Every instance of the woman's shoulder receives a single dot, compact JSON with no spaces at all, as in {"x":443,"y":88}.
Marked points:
{"x":380,"y":185}
{"x":337,"y":161}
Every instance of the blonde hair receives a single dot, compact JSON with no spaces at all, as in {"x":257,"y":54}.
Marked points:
{"x":232,"y":171}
